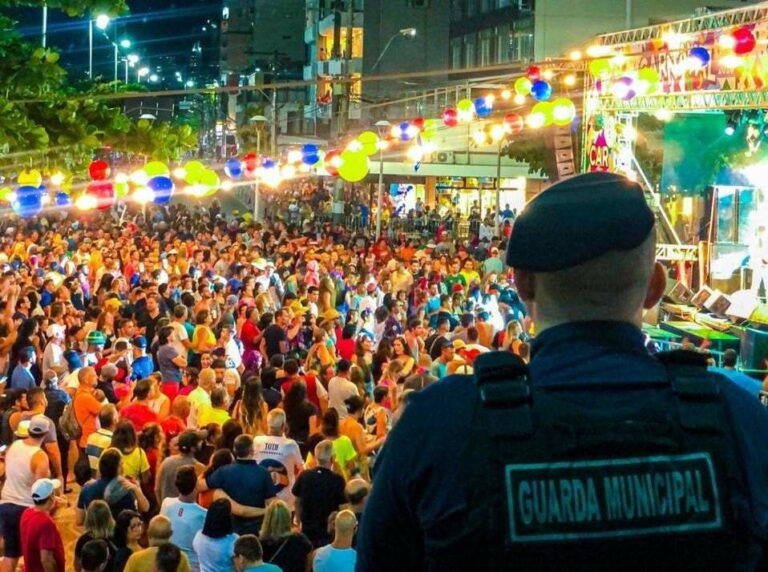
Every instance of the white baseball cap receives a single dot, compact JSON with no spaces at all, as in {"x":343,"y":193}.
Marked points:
{"x":43,"y":489}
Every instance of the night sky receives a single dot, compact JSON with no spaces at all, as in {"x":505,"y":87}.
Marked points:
{"x":162,"y":32}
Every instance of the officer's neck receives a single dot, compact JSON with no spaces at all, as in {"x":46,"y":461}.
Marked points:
{"x":545,"y":320}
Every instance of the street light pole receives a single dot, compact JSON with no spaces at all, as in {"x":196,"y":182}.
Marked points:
{"x":256,"y":189}
{"x":498,"y":193}
{"x":382,"y":126}
{"x":45,"y":24}
{"x":90,"y":48}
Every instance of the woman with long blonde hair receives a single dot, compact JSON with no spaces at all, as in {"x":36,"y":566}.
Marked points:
{"x":282,"y":547}
{"x":98,"y":525}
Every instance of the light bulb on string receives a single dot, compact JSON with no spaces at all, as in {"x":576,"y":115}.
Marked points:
{"x":57,"y":179}
{"x":506,"y":94}
{"x":519,"y":99}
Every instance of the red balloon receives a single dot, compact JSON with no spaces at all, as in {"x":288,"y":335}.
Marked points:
{"x":534,"y":73}
{"x":514,"y":123}
{"x":418,"y":122}
{"x":745,"y":41}
{"x":450,"y":117}
{"x":251,"y":161}
{"x":104,"y":193}
{"x":99,"y":170}
{"x":329,"y":156}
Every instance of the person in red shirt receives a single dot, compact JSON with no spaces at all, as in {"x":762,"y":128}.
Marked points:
{"x":139,"y":412}
{"x":43,"y":548}
{"x":175,"y":423}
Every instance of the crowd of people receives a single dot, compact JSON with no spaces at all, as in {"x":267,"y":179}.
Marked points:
{"x":216,"y":392}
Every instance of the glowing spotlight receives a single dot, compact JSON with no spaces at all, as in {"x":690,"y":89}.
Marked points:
{"x":548,"y":74}
{"x":497,"y":133}
{"x":730,"y":128}
{"x":86,"y":202}
{"x":415,"y":153}
{"x":179,"y":173}
{"x":227,"y":185}
{"x":478,"y":137}
{"x":337,"y":162}
{"x":506,"y":94}
{"x":490,"y":99}
{"x":575,"y":55}
{"x":57,"y":178}
{"x":536,"y":120}
{"x":295,"y":156}
{"x":519,"y":99}
{"x":144,"y":195}
{"x":139,"y":178}
{"x":598,"y":51}
{"x":569,"y":80}
{"x":727,"y":42}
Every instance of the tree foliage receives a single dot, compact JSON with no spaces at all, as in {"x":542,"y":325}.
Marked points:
{"x":47,"y":121}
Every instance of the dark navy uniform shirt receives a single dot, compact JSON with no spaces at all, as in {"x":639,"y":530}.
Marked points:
{"x":417,"y":484}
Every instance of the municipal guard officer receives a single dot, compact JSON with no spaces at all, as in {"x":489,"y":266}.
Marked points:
{"x":595,"y":456}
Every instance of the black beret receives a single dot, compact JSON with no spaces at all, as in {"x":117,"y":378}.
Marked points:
{"x":577,"y":220}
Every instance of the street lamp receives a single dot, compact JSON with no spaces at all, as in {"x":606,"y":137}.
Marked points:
{"x":257,"y":119}
{"x":405,"y":32}
{"x":140,"y":73}
{"x":383,"y":127}
{"x":154,"y":78}
{"x":101,"y":21}
{"x":125,"y":43}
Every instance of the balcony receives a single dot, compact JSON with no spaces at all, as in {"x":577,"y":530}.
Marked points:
{"x":309,"y":73}
{"x":327,"y":23}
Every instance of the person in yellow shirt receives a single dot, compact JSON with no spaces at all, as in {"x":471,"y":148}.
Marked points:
{"x":159,"y":534}
{"x":216,"y":412}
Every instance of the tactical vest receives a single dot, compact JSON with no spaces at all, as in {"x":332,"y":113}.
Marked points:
{"x":558,"y":485}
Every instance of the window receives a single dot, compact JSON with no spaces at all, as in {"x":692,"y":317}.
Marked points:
{"x":457,"y":10}
{"x":502,"y":43}
{"x":521,"y":40}
{"x":471,"y":8}
{"x":486,"y":47}
{"x":470,"y":58}
{"x":456,"y":53}
{"x":487,"y":5}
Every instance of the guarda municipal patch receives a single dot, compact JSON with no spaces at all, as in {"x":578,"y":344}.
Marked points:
{"x":612,"y":498}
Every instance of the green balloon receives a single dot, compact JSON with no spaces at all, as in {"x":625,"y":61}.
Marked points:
{"x":194,"y":170}
{"x":599,"y":67}
{"x":211,"y":180}
{"x":545,"y":108}
{"x":651,"y":77}
{"x":465,"y":105}
{"x":370,"y":142}
{"x":156,"y":169}
{"x":354,"y":167}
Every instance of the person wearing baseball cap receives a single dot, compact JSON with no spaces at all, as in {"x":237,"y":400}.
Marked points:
{"x":592,"y":399}
{"x":43,"y":546}
{"x":142,"y":365}
{"x":25,"y":463}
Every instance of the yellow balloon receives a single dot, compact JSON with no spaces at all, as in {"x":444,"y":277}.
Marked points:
{"x":354,"y":166}
{"x":31,"y":178}
{"x":563,"y":111}
{"x":122,"y":189}
{"x":545,"y":109}
{"x":465,"y":105}
{"x":523,"y":86}
{"x":211,"y":180}
{"x":599,"y":68}
{"x":194,"y":169}
{"x":370,"y":142}
{"x":5,"y":194}
{"x":156,"y":169}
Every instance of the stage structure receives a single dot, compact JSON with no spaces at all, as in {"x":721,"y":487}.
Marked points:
{"x":710,"y":72}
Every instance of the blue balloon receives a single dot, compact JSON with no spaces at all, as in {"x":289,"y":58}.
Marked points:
{"x":28,"y":201}
{"x":268,"y":164}
{"x":163,"y":188}
{"x":701,"y":54}
{"x":404,"y":134}
{"x":309,"y":149}
{"x":63,"y":200}
{"x":310,"y":159}
{"x":541,"y":90}
{"x":482,"y":107}
{"x":233,"y":168}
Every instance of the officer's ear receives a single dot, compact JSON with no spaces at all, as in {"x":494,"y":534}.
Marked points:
{"x":525,"y":283}
{"x":656,"y":286}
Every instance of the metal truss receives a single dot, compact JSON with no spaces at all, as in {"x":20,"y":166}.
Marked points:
{"x":677,"y":252}
{"x":708,"y":22}
{"x":693,"y":101}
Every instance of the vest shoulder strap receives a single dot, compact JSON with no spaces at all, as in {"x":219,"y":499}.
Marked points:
{"x":502,"y":382}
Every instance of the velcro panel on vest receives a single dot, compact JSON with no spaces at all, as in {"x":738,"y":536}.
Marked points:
{"x":698,"y":397}
{"x":502,"y":382}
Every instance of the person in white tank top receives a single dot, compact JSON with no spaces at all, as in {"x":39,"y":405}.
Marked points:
{"x":25,"y":463}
